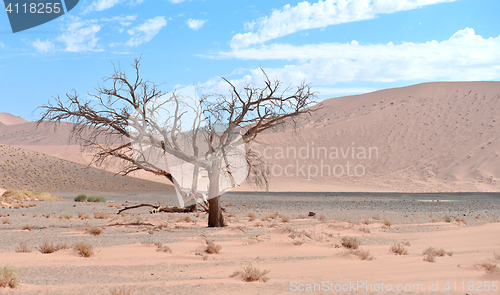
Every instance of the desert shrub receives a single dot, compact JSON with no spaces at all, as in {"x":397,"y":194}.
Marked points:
{"x":93,"y":230}
{"x":10,"y":277}
{"x":447,"y":218}
{"x":164,"y":249}
{"x":101,"y":215}
{"x":387,"y":223}
{"x":121,"y":291}
{"x":489,"y":267}
{"x":49,"y":247}
{"x":28,"y":226}
{"x":212,"y":248}
{"x":84,"y":249}
{"x":6,"y":221}
{"x":399,"y":249}
{"x":67,"y":216}
{"x":251,"y":216}
{"x":350,"y":242}
{"x":430,"y":253}
{"x":364,"y":229}
{"x":81,"y":198}
{"x":252,"y":274}
{"x":96,"y":199}
{"x":322,"y":218}
{"x":23,"y":247}
{"x":461,"y":220}
{"x":366,"y":221}
{"x":362,"y":254}
{"x":285,"y":218}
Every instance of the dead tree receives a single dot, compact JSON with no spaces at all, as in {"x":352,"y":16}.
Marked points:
{"x":123,"y":117}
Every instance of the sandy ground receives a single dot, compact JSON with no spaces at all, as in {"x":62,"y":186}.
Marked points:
{"x":304,"y":250}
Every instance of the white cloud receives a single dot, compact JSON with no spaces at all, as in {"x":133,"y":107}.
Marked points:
{"x":146,"y":31}
{"x":101,"y":5}
{"x":80,"y":35}
{"x":195,"y":24}
{"x":464,"y":56}
{"x":176,"y":1}
{"x":2,"y":44}
{"x":46,"y":46}
{"x":291,"y":19}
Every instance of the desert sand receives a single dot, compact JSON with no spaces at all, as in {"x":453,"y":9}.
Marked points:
{"x":433,"y":137}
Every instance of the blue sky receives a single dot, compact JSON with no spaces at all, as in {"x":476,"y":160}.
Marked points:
{"x":340,"y":47}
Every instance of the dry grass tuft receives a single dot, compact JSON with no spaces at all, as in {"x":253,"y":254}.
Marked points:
{"x":350,"y":242}
{"x":461,"y":220}
{"x":430,"y":254}
{"x":251,"y":216}
{"x":48,"y":247}
{"x":23,"y":247}
{"x":84,"y":249}
{"x":121,"y":291}
{"x":399,"y":249}
{"x":490,"y":267}
{"x":362,"y":254}
{"x":93,"y":230}
{"x":322,"y":218}
{"x":10,"y":277}
{"x":285,"y":219}
{"x":387,"y":223}
{"x":212,"y":248}
{"x":6,"y":221}
{"x":252,"y":274}
{"x":366,"y":221}
{"x":28,"y":226}
{"x":496,"y":255}
{"x":101,"y":215}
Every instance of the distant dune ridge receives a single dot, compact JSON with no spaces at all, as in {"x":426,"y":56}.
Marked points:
{"x":430,"y":137}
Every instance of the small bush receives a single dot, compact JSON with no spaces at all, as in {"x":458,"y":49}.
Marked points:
{"x":362,"y":254}
{"x":251,"y":216}
{"x":252,"y":274}
{"x":101,"y":215}
{"x":23,"y":247}
{"x":399,"y":249}
{"x":447,"y":218}
{"x":10,"y":277}
{"x":387,"y":223}
{"x":96,"y":199}
{"x":461,"y":220}
{"x":48,"y":247}
{"x":489,"y":267}
{"x":164,"y":249}
{"x":285,"y":219}
{"x":350,"y":242}
{"x":6,"y":221}
{"x":93,"y":230}
{"x":84,"y":249}
{"x":81,"y":198}
{"x":212,"y":248}
{"x":366,"y":221}
{"x":28,"y":227}
{"x":120,"y":291}
{"x":430,"y":253}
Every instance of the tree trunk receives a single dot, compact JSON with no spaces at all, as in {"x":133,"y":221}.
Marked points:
{"x":215,"y":217}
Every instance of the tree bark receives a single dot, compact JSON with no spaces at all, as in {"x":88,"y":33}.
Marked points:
{"x":215,"y":217}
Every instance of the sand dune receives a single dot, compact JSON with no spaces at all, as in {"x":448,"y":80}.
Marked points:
{"x":24,"y":169}
{"x":429,"y":137}
{"x":9,"y":119}
{"x":424,"y":138}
